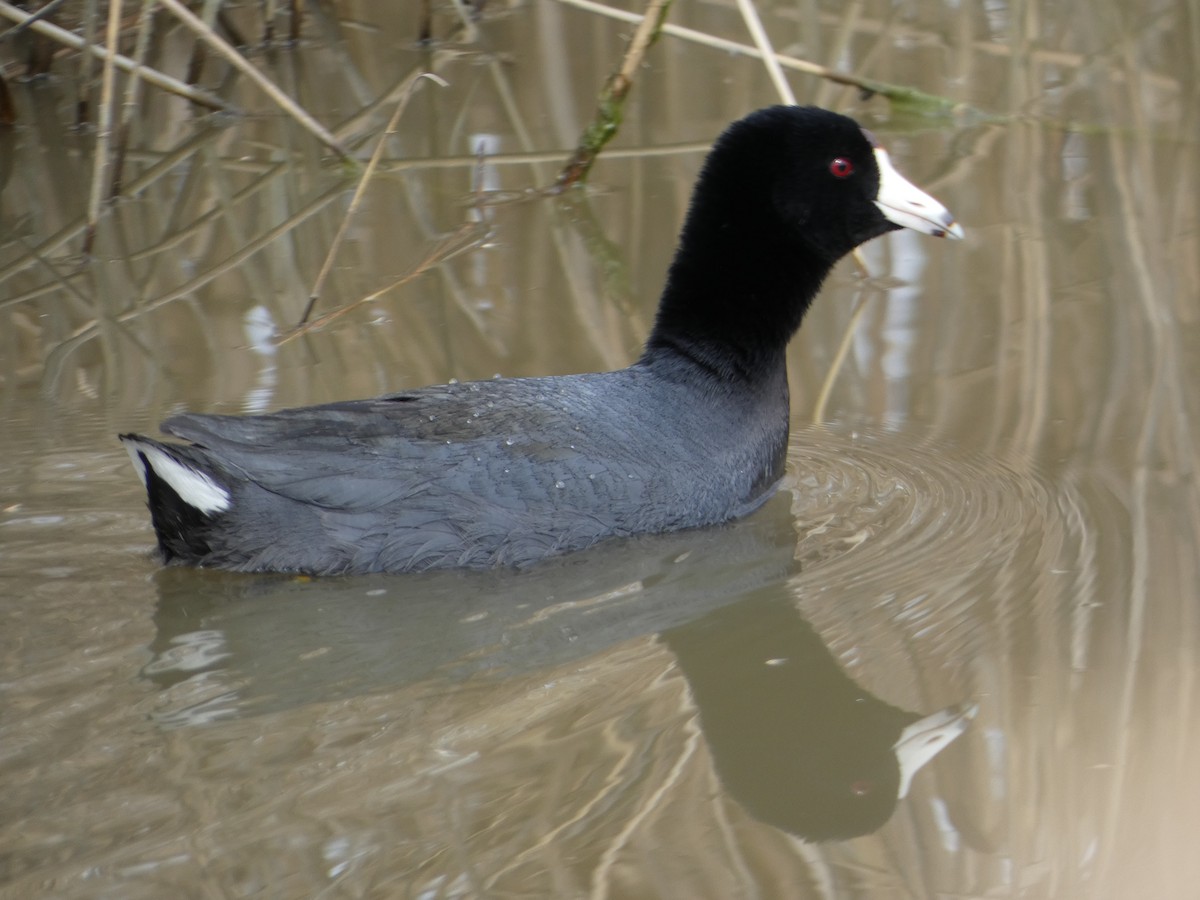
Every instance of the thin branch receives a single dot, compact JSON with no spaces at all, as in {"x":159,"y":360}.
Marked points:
{"x":769,"y":57}
{"x":466,"y":237}
{"x":612,"y":99}
{"x":104,"y":129}
{"x":124,"y":63}
{"x":239,"y":62}
{"x":839,"y":358}
{"x":161,"y":163}
{"x":133,"y":94}
{"x":315,"y":293}
{"x":68,"y":232}
{"x":37,"y":16}
{"x":209,"y":14}
{"x":470,"y":29}
{"x":89,"y":330}
{"x":899,"y":94}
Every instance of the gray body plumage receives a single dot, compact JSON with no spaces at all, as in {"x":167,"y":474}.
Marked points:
{"x":500,"y":472}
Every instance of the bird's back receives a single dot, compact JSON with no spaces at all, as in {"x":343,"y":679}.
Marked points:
{"x":501,"y":472}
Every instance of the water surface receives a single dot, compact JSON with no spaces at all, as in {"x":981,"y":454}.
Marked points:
{"x":993,"y":504}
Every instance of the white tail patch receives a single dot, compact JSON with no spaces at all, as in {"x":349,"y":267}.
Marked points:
{"x":193,"y":487}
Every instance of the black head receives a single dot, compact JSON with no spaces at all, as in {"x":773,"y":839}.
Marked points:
{"x":784,"y":194}
{"x":812,"y":178}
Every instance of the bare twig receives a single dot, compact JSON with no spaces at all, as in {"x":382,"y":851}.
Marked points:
{"x":195,"y":67}
{"x":103,"y":125}
{"x":466,"y":237}
{"x":612,"y":99}
{"x":361,"y":189}
{"x":239,"y":62}
{"x":894,"y":92}
{"x":70,"y":231}
{"x":839,"y":358}
{"x":763,"y":43}
{"x":60,"y":281}
{"x":37,"y":16}
{"x":90,"y":329}
{"x":165,"y":162}
{"x":133,"y":93}
{"x":124,"y":63}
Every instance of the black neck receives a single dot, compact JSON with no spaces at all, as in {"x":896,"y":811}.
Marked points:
{"x":734,"y":298}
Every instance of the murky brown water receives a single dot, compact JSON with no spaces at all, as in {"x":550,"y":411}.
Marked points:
{"x":999,"y":505}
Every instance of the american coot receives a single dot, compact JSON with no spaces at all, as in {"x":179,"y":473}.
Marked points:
{"x":511,"y":471}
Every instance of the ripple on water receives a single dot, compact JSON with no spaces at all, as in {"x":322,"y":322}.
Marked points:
{"x":926,"y":531}
{"x":894,"y":542}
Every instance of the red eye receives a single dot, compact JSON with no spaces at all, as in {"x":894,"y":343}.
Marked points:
{"x":841,"y":168}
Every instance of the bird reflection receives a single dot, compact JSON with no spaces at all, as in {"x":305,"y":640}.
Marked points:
{"x":795,"y":740}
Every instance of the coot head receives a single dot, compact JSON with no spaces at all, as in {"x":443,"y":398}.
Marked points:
{"x":784,"y":194}
{"x":815,"y":178}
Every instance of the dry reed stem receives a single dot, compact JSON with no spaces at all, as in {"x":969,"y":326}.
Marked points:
{"x":67,"y":233}
{"x":103,"y":126}
{"x":769,"y":57}
{"x":839,"y":358}
{"x":580,"y":288}
{"x":239,"y":62}
{"x":179,"y":235}
{"x":462,"y":161}
{"x":124,"y":63}
{"x":359,"y":126}
{"x":60,"y":280}
{"x":195,"y":67}
{"x":466,"y":237}
{"x":607,"y":119}
{"x":356,"y":200}
{"x":89,"y":330}
{"x":133,"y":93}
{"x":894,"y":92}
{"x":37,"y":16}
{"x":1156,"y":425}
